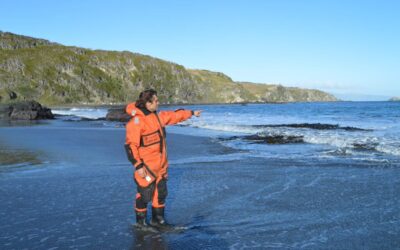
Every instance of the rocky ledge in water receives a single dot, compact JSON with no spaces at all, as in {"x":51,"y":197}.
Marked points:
{"x":269,"y":139}
{"x":317,"y":126}
{"x":27,"y":110}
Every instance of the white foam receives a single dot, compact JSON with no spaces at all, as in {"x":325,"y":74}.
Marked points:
{"x":344,"y":141}
{"x":91,"y":113}
{"x":389,"y":149}
{"x":348,"y":142}
{"x":229,"y":128}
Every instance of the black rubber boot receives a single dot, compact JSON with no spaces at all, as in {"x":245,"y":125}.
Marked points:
{"x":142,"y":225}
{"x":158,"y":220}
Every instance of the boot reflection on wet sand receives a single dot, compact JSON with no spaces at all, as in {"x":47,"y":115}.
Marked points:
{"x":141,"y":223}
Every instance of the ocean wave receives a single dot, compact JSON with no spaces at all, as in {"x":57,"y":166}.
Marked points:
{"x":351,"y":145}
{"x":344,"y":144}
{"x":389,"y":149}
{"x":254,"y":129}
{"x":227,"y":128}
{"x":90,"y":113}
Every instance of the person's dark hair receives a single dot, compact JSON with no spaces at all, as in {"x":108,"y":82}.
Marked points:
{"x":144,"y":97}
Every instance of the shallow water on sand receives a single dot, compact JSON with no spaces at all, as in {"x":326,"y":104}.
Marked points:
{"x":76,"y":191}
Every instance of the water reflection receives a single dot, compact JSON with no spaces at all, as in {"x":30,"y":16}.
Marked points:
{"x":12,"y":159}
{"x":197,"y":235}
{"x":21,"y":123}
{"x":142,"y":240}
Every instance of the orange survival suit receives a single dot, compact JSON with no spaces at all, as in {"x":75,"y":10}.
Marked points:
{"x":146,"y":148}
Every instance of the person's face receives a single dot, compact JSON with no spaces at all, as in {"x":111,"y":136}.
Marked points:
{"x":153,"y":105}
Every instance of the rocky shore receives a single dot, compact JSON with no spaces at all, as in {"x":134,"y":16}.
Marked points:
{"x":28,"y":110}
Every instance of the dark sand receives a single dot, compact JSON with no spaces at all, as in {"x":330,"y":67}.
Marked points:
{"x":75,"y":191}
{"x":73,"y":188}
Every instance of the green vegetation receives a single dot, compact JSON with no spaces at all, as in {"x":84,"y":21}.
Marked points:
{"x":55,"y":74}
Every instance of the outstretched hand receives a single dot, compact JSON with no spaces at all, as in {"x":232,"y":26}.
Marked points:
{"x":197,"y":112}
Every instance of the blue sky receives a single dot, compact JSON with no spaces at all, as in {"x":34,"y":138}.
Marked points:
{"x":348,"y":48}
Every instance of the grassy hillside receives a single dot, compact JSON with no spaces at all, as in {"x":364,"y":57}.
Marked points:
{"x":279,"y":93}
{"x":51,"y":73}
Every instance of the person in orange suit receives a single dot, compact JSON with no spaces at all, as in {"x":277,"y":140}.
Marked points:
{"x":147,"y":150}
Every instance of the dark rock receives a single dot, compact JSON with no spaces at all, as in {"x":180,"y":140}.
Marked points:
{"x":24,"y":115}
{"x":5,"y":111}
{"x":118,"y":115}
{"x":85,"y":119}
{"x":365,"y":146}
{"x":274,"y":139}
{"x":268,"y":139}
{"x":29,"y":110}
{"x":317,"y":126}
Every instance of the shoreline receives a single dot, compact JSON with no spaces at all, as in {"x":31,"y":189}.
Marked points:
{"x":203,"y":104}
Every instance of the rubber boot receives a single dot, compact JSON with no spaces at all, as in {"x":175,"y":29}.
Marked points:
{"x":141,"y":223}
{"x":158,"y":220}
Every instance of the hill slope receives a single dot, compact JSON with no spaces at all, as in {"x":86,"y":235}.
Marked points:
{"x":51,"y":73}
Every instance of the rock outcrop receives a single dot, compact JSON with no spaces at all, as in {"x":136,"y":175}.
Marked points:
{"x":29,"y":110}
{"x":118,"y":115}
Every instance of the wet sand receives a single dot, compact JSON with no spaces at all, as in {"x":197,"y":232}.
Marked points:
{"x":81,"y":194}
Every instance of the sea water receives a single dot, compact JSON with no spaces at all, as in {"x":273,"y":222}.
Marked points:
{"x":368,"y":131}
